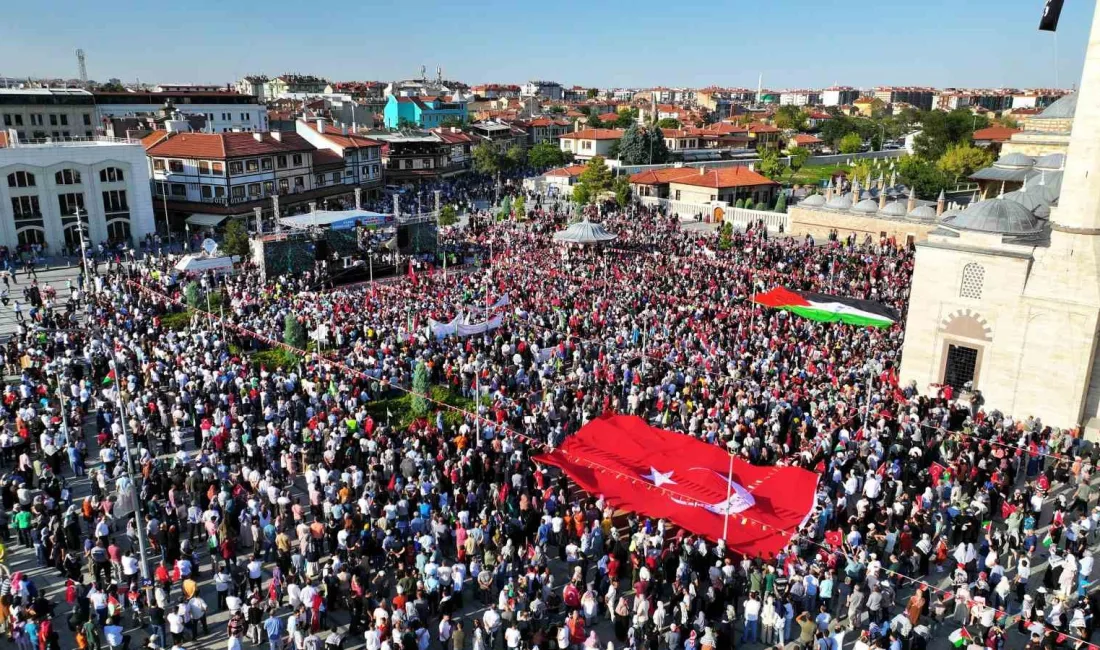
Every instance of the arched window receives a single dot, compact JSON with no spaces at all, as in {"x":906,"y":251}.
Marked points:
{"x":21,"y":179}
{"x":67,"y":177}
{"x":111,"y":175}
{"x":973,"y":276}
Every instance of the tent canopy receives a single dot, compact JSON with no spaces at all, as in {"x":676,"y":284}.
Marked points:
{"x":206,"y":220}
{"x":584,"y":232}
{"x":199,"y":263}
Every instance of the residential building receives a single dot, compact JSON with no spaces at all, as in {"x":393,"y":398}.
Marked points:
{"x":225,"y":112}
{"x":551,"y":90}
{"x":461,"y":143}
{"x":806,"y":141}
{"x":46,"y":187}
{"x":867,"y":105}
{"x":500,"y":133}
{"x":590,"y":143}
{"x":994,"y":136}
{"x":295,"y":85}
{"x":221,"y":175}
{"x":256,"y":86}
{"x":919,"y":96}
{"x":357,"y":90}
{"x":576,"y":94}
{"x":545,"y":129}
{"x":735,"y":136}
{"x":800,"y":98}
{"x":839,"y":95}
{"x":563,"y":178}
{"x":494,"y":91}
{"x":423,"y":112}
{"x":816,"y":119}
{"x":361,"y":157}
{"x":414,"y":156}
{"x":681,"y":139}
{"x":724,"y":184}
{"x":654,"y":182}
{"x":57,"y":113}
{"x":1037,"y":98}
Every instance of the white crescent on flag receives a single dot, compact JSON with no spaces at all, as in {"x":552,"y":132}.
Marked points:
{"x":739,"y":500}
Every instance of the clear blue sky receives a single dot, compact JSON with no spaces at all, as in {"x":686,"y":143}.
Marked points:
{"x":605,"y":43}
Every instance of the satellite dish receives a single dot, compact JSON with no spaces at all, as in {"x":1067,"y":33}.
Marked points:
{"x":209,"y":246}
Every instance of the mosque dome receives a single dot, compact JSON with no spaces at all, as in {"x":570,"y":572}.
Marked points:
{"x":842,"y":202}
{"x":1063,"y":109}
{"x":1030,"y":199}
{"x":1051,"y":162}
{"x":996,"y":216}
{"x":813,"y":201}
{"x":895,"y":209}
{"x":1047,"y":184}
{"x":866,"y":206}
{"x":1014,"y":161}
{"x":923,"y":212}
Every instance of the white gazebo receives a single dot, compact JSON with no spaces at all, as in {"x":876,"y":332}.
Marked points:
{"x":584,"y":233}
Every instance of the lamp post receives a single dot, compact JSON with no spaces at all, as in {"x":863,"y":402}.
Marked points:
{"x":83,"y":249}
{"x":142,"y":545}
{"x":729,"y":493}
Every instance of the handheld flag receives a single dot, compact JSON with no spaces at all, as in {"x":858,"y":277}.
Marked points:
{"x":831,"y":309}
{"x":960,"y":637}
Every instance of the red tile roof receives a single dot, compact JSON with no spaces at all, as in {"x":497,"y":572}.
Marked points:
{"x":571,"y":171}
{"x":608,"y":117}
{"x":349,"y":141}
{"x":3,"y":139}
{"x":595,"y":134}
{"x":662,"y":176}
{"x":452,"y":137}
{"x":326,"y":158}
{"x":225,"y":145}
{"x":802,"y":139}
{"x":724,"y":177}
{"x":995,"y":133}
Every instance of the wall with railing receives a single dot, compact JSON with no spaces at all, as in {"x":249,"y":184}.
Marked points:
{"x":739,"y":217}
{"x":745,"y":162}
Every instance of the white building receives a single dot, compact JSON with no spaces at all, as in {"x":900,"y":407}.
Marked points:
{"x":45,"y":185}
{"x":361,"y":156}
{"x":839,"y":95}
{"x":225,"y":112}
{"x":590,"y":143}
{"x":800,"y":98}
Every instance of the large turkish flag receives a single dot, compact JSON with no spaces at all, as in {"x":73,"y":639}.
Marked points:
{"x":672,"y":476}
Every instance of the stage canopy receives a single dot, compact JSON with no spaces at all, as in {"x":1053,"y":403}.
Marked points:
{"x":672,"y":476}
{"x":584,"y":232}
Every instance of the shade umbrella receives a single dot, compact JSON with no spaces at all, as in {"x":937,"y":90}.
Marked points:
{"x":584,"y":232}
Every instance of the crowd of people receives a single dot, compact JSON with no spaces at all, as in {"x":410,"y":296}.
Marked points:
{"x":378,"y":489}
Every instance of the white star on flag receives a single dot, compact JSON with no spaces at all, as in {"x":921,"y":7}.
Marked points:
{"x":658,"y":478}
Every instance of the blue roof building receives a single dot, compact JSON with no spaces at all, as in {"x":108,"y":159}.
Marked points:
{"x":423,"y":112}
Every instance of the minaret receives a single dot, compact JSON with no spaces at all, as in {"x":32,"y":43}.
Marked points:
{"x":940,"y":200}
{"x":829,"y":190}
{"x":912,"y":204}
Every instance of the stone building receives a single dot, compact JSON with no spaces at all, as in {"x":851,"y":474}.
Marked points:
{"x":1007,"y":301}
{"x":878,"y":209}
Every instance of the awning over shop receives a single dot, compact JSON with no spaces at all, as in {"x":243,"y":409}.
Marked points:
{"x":206,"y":220}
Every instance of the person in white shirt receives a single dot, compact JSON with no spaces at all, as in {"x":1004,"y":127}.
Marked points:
{"x":752,"y":620}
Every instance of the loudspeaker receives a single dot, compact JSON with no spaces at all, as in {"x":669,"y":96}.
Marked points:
{"x":320,"y":249}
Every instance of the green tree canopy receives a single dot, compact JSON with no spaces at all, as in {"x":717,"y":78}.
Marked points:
{"x":448,"y":215}
{"x":516,"y":156}
{"x":963,"y":160}
{"x":581,"y":194}
{"x":940,"y":130}
{"x":781,"y":202}
{"x":643,"y":146}
{"x":557,"y":109}
{"x":669,"y":123}
{"x":235,"y":241}
{"x":791,"y":117}
{"x":489,"y":159}
{"x":624,"y":120}
{"x":850,"y":143}
{"x":519,"y":206}
{"x":798,"y":157}
{"x":771,"y":165}
{"x":593,"y":121}
{"x":923,"y":176}
{"x":545,"y":155}
{"x":621,"y":187}
{"x":420,"y":386}
{"x":294,"y":334}
{"x":592,"y":93}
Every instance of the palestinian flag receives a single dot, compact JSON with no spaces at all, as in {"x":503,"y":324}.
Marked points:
{"x":960,"y":637}
{"x":832,"y":309}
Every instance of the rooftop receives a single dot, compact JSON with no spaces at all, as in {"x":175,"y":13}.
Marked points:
{"x":223,"y":145}
{"x":725,"y":177}
{"x":595,"y":134}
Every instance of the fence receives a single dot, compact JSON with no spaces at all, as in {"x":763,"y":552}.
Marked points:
{"x":744,"y":162}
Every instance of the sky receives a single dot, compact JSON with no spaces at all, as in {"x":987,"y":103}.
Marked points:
{"x":610,"y":43}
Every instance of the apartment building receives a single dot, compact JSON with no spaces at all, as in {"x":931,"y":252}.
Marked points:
{"x":839,"y":95}
{"x":225,"y":112}
{"x":360,"y":157}
{"x":40,"y":113}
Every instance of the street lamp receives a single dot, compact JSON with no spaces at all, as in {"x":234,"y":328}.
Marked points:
{"x":83,"y":249}
{"x":142,"y":545}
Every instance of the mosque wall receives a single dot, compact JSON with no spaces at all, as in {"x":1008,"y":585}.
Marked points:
{"x":818,"y":224}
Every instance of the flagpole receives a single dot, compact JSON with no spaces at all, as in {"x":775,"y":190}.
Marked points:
{"x":870,"y":389}
{"x":729,"y":493}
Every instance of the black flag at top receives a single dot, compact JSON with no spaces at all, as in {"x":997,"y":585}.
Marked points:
{"x":1052,"y":9}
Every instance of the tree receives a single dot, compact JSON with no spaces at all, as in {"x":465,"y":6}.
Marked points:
{"x":192,"y":294}
{"x":621,"y":187}
{"x":235,"y":241}
{"x":581,"y":194}
{"x":557,"y":109}
{"x":519,"y":207}
{"x":642,"y":146}
{"x":770,"y":164}
{"x":669,"y":123}
{"x":876,"y":141}
{"x":725,"y":236}
{"x":488,"y":159}
{"x":798,"y":157}
{"x":592,"y":93}
{"x":593,"y":121}
{"x":762,"y":205}
{"x":791,"y":117}
{"x":294,"y":334}
{"x":448,"y":216}
{"x":963,"y":160}
{"x":545,"y":155}
{"x":940,"y":130}
{"x":739,"y":203}
{"x":781,"y":202}
{"x":614,"y":149}
{"x":923,"y":176}
{"x":517,"y":156}
{"x":850,"y":143}
{"x":405,"y":123}
{"x":596,"y":175}
{"x":624,"y":120}
{"x":455,"y":122}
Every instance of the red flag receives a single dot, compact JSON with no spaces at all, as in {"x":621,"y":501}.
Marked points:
{"x":936,"y":470}
{"x":393,"y":482}
{"x":834,"y":538}
{"x":671,"y":476}
{"x":412,"y":272}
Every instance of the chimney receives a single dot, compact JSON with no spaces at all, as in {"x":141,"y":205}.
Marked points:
{"x":277,"y":135}
{"x":257,"y":136}
{"x":912,"y":204}
{"x":939,"y":203}
{"x":321,"y":125}
{"x":702,"y":170}
{"x":344,"y":130}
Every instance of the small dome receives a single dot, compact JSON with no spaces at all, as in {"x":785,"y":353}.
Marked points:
{"x":1028,"y":197}
{"x":924,"y":212}
{"x":1014,"y":160}
{"x":1063,"y":109}
{"x":996,"y":216}
{"x":866,"y":206}
{"x":895,"y":209}
{"x":1051,"y":162}
{"x":1042,"y":212}
{"x":842,"y":202}
{"x":813,"y":201}
{"x":1047,"y":184}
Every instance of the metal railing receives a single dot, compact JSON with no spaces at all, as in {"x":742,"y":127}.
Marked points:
{"x":71,"y":141}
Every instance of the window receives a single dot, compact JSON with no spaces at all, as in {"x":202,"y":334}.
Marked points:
{"x":218,"y":168}
{"x":366,"y":170}
{"x":677,"y":197}
{"x":53,"y":119}
{"x":118,"y":230}
{"x":175,"y":166}
{"x":253,"y":189}
{"x":269,"y":188}
{"x":115,"y":201}
{"x":280,"y":162}
{"x":335,"y":177}
{"x":7,"y":119}
{"x":162,"y":188}
{"x":236,"y":167}
{"x":158,"y":165}
{"x":64,"y":120}
{"x":238,"y":192}
{"x":284,"y":185}
{"x":207,"y":192}
{"x":111,"y":175}
{"x":69,"y":204}
{"x":299,"y":182}
{"x":973,"y":276}
{"x":219,"y":191}
{"x":179,"y":189}
{"x":319,"y":180}
{"x":226,"y":117}
{"x":87,"y":119}
{"x":67,"y":177}
{"x":36,"y":119}
{"x":245,"y":117}
{"x":961,"y":363}
{"x":204,"y":167}
{"x":297,"y":160}
{"x":265,"y":164}
{"x":252,"y":165}
{"x":21,"y":179}
{"x":19,"y":121}
{"x":25,"y":207}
